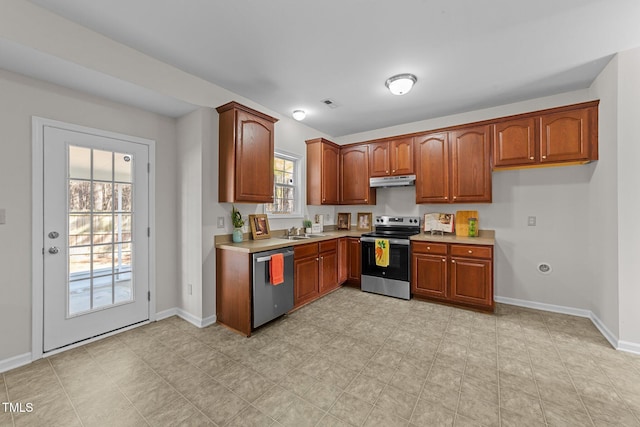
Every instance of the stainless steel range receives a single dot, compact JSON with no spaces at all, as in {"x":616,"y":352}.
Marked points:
{"x":393,"y":280}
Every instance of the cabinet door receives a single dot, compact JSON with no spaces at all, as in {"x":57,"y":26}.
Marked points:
{"x":564,"y":136}
{"x":330,"y":179}
{"x":432,"y":168}
{"x":254,"y":159}
{"x":401,"y":156}
{"x":328,"y":271}
{"x":514,"y":143}
{"x":354,"y":176}
{"x":343,"y":260}
{"x":379,"y":158}
{"x":472,"y":281}
{"x":471,"y":165}
{"x":306,"y":280}
{"x":355,"y":260}
{"x":429,"y":275}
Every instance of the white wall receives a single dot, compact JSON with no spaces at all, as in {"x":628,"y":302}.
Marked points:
{"x":629,"y":196}
{"x":21,"y":99}
{"x":603,"y":202}
{"x":558,"y":197}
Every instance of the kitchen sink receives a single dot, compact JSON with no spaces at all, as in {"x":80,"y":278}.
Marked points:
{"x":294,"y":237}
{"x":316,"y":235}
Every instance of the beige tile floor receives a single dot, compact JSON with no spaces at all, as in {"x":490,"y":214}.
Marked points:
{"x":351,"y":358}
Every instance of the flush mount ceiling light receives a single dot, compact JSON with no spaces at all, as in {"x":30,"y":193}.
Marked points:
{"x":299,"y":115}
{"x":401,"y":83}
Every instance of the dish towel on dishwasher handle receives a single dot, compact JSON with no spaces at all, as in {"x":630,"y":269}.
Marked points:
{"x":276,"y":269}
{"x":382,"y":252}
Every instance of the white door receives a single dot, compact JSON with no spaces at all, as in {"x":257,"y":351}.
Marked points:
{"x":96,"y":245}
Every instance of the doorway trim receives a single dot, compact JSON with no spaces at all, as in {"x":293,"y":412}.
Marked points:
{"x":37,"y":218}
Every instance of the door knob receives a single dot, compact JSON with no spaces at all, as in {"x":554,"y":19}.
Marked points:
{"x":54,"y":235}
{"x":53,"y":250}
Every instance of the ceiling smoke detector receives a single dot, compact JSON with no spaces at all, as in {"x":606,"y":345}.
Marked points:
{"x":400,"y":83}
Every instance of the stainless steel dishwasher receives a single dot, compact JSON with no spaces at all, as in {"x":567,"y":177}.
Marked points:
{"x":271,"y":301}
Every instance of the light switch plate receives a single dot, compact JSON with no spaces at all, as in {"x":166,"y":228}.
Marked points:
{"x":531,"y":221}
{"x":220,"y":222}
{"x":3,"y":216}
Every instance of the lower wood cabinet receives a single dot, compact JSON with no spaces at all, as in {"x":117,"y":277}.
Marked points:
{"x":315,"y":270}
{"x":354,"y":267}
{"x":460,"y":274}
{"x":343,"y":260}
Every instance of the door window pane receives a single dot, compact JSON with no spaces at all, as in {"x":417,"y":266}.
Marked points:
{"x":79,"y":162}
{"x":100,"y":248}
{"x":102,"y":165}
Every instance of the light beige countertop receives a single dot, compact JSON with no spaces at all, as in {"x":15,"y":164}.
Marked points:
{"x":250,"y":246}
{"x":487,"y":237}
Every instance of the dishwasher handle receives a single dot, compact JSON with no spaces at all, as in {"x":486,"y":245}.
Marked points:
{"x":268,"y":257}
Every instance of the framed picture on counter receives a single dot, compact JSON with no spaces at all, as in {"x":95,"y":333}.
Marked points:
{"x":364,"y":221}
{"x":259,"y":226}
{"x":344,"y":221}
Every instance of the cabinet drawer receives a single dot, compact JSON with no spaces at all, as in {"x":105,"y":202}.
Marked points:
{"x":303,"y":251}
{"x":329,"y":245}
{"x":430,"y":248}
{"x":471,"y":251}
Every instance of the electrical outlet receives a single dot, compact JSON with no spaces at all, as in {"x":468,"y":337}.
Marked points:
{"x":3,"y":216}
{"x":531,"y":221}
{"x":189,"y":289}
{"x":220,"y":222}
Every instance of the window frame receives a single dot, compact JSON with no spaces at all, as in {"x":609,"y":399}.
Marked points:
{"x":297,"y":186}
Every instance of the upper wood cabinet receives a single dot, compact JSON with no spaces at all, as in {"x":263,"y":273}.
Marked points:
{"x":514,"y":142}
{"x":323,"y":172}
{"x":389,"y":158}
{"x":454,"y":167}
{"x":354,"y":176}
{"x":564,"y":135}
{"x":245,"y":145}
{"x":432,"y":168}
{"x":471,"y":164}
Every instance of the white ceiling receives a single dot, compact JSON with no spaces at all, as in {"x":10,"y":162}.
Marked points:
{"x":287,"y":54}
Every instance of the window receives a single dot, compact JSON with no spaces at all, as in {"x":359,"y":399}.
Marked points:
{"x":286,"y":192}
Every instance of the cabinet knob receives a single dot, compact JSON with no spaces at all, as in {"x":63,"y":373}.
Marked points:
{"x":453,"y":261}
{"x":321,"y":257}
{"x":386,"y":171}
{"x":544,"y":157}
{"x":455,"y":197}
{"x":324,"y":200}
{"x":394,"y":171}
{"x":358,"y":240}
{"x":530,"y":158}
{"x":428,"y":248}
{"x":444,"y":259}
{"x":446,"y":197}
{"x":365,"y":200}
{"x":470,"y":251}
{"x":317,"y":259}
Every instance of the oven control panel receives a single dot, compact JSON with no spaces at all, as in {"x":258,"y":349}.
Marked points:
{"x":412,"y":221}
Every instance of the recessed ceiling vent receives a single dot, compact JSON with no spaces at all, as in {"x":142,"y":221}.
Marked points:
{"x":330,"y":103}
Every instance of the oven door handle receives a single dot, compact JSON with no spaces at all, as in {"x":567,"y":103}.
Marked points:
{"x":403,"y":242}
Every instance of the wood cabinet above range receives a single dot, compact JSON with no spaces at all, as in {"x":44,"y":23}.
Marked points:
{"x":246,"y":142}
{"x":391,"y":158}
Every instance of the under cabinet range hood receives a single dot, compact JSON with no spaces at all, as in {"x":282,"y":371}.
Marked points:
{"x":393,"y":181}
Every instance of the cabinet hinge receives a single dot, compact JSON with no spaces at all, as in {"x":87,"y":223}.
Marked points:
{"x":148,"y":167}
{"x":149,"y":296}
{"x":148,"y":231}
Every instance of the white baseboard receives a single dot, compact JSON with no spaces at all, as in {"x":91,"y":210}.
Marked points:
{"x":611,"y":337}
{"x":15,"y":362}
{"x":166,"y":314}
{"x":544,"y":307}
{"x":627,"y":346}
{"x":194,"y":320}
